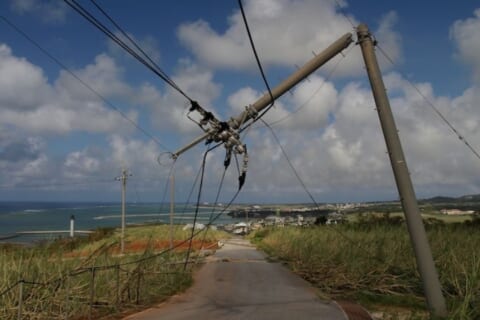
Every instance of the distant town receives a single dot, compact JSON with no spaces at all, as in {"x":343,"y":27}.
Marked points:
{"x":257,"y":216}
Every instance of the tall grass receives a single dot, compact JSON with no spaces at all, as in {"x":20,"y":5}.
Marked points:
{"x":83,"y":278}
{"x":374,"y":263}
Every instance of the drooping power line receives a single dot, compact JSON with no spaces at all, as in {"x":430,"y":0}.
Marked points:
{"x":104,"y":29}
{"x":152,"y":63}
{"x":259,"y":64}
{"x":434,"y":108}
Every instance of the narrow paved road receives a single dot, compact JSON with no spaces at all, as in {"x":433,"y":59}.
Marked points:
{"x":238,"y":283}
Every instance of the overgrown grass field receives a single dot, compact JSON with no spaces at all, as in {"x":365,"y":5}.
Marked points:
{"x":88,"y":278}
{"x":373,"y":263}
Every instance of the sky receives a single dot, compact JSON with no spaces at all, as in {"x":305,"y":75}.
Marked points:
{"x":61,"y":141}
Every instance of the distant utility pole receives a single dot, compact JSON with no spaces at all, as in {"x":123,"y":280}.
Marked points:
{"x":418,"y":237}
{"x":123,"y":178}
{"x":172,"y":206}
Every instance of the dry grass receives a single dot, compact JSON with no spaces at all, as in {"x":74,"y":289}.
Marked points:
{"x":373,"y":263}
{"x":79,"y":279}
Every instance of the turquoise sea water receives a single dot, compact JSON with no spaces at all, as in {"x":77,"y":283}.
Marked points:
{"x":36,"y":216}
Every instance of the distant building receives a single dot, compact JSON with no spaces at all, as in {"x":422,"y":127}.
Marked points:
{"x":453,"y":212}
{"x":335,"y":218}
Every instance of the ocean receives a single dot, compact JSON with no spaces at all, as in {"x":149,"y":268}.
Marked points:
{"x":39,"y":216}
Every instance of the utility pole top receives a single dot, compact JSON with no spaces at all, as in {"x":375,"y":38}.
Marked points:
{"x":252,"y":111}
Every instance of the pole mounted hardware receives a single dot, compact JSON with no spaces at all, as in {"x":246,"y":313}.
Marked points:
{"x":221,"y":132}
{"x":228,"y":132}
{"x":252,"y":110}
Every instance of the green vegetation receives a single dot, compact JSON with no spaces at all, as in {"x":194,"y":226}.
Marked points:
{"x":371,"y":261}
{"x":87,"y":277}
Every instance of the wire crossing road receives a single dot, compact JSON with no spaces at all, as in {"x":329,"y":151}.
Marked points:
{"x":238,"y":283}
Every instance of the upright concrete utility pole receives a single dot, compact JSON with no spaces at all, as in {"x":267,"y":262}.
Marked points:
{"x":172,"y":206}
{"x":123,"y":179}
{"x":418,"y":237}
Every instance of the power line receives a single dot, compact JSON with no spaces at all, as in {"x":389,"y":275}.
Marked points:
{"x":45,"y":186}
{"x":192,"y":189}
{"x":86,"y":85}
{"x":217,"y":197}
{"x":167,"y":184}
{"x":306,"y":103}
{"x":434,"y":108}
{"x":152,"y":63}
{"x":100,"y":26}
{"x":307,"y":191}
{"x":199,"y":195}
{"x":304,"y":186}
{"x":219,"y":190}
{"x":254,"y":49}
{"x":184,"y":241}
{"x":252,"y":44}
{"x":344,"y":15}
{"x":429,"y":103}
{"x":80,"y":270}
{"x":190,"y":194}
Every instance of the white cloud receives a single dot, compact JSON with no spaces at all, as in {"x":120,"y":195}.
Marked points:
{"x":16,"y":150}
{"x":28,"y":101}
{"x":23,"y":86}
{"x":334,"y":141}
{"x":49,"y":11}
{"x":308,"y":105}
{"x":23,"y":159}
{"x":169,"y":109}
{"x":129,"y":153}
{"x":467,"y":38}
{"x":239,"y":100}
{"x":103,"y":75}
{"x":284,"y":33}
{"x":389,"y":40}
{"x":348,"y":160}
{"x":242,"y":98}
{"x":279,"y":29}
{"x":80,"y":163}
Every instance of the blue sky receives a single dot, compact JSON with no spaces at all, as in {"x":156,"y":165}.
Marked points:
{"x":58,"y":141}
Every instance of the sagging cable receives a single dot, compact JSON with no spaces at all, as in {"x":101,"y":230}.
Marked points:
{"x":243,"y":174}
{"x":228,"y":158}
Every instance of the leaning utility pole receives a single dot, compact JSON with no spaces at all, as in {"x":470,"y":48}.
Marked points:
{"x":123,"y":179}
{"x":418,"y":237}
{"x":252,"y":110}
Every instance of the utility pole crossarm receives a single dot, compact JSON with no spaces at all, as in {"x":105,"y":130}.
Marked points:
{"x":315,"y":63}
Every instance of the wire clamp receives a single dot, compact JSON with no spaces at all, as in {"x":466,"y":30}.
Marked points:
{"x":251,"y":111}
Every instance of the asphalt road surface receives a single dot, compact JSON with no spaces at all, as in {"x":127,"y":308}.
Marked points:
{"x":238,"y":283}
